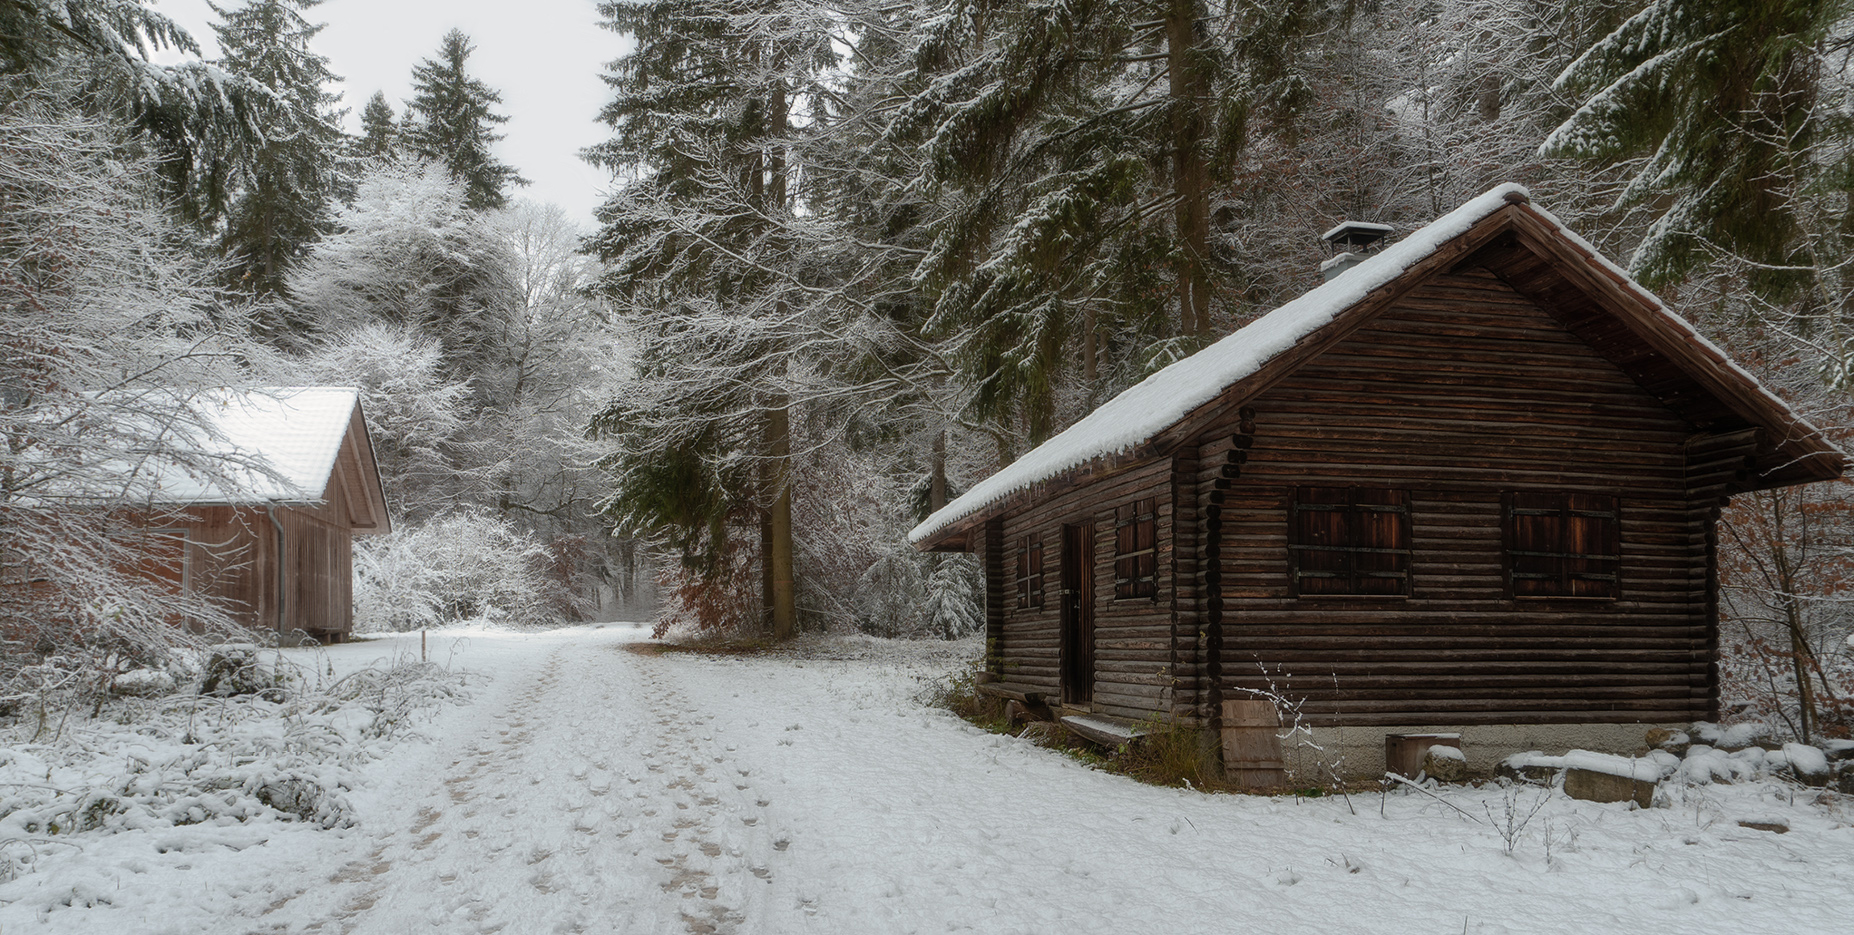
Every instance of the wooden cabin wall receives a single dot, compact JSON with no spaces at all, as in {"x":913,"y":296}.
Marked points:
{"x":234,"y":560}
{"x":1133,"y":637}
{"x":321,"y":563}
{"x":1461,"y":391}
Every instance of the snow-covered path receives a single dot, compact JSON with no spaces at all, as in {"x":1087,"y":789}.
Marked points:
{"x":582,"y":797}
{"x":592,"y":788}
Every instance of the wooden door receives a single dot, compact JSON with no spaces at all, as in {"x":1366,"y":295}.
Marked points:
{"x":1078,"y":614}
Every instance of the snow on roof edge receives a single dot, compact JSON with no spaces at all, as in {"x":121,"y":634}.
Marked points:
{"x":1143,"y":410}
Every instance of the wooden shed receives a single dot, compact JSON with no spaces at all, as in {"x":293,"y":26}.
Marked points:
{"x":1470,"y":485}
{"x":273,"y":539}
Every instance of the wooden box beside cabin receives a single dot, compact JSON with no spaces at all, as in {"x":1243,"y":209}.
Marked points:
{"x":1484,"y":493}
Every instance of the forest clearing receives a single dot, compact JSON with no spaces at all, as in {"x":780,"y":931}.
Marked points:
{"x":578,"y":786}
{"x":953,"y":465}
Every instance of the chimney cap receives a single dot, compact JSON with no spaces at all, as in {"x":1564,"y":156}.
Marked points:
{"x":1359,"y":234}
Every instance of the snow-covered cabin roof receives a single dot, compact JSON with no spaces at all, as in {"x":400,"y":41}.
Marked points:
{"x":277,"y":444}
{"x":1138,"y":415}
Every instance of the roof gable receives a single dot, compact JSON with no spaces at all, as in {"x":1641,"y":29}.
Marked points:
{"x":1500,"y":229}
{"x":286,"y":444}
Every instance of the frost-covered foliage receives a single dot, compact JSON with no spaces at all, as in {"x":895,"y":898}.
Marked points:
{"x":408,"y":251}
{"x":164,"y":760}
{"x":202,"y":121}
{"x":415,"y":412}
{"x":463,"y":566}
{"x":481,"y":358}
{"x":109,"y":328}
{"x":554,"y":360}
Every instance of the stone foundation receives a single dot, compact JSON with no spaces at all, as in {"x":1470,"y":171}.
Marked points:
{"x":1358,"y":752}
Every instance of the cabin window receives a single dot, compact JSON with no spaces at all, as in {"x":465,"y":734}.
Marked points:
{"x":1030,"y":571}
{"x":1562,"y":545}
{"x":1136,"y":558}
{"x":1349,"y":540}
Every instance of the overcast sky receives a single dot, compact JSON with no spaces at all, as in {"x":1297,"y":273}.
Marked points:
{"x":544,"y":56}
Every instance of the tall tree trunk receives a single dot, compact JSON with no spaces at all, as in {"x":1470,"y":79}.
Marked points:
{"x":783,"y":599}
{"x":1190,"y":177}
{"x":936,"y":485}
{"x":778,"y":555}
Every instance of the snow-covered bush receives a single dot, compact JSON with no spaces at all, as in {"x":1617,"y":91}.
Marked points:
{"x":912,"y":596}
{"x":191,"y":758}
{"x":890,"y":596}
{"x":464,"y":566}
{"x":414,"y":411}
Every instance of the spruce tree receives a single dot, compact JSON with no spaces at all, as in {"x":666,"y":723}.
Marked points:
{"x":379,"y":137}
{"x":200,"y":121}
{"x":1076,"y":147}
{"x":451,"y":123}
{"x":711,"y":258}
{"x":291,"y":173}
{"x":1713,"y":108}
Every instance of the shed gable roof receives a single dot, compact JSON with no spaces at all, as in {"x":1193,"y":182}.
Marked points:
{"x":298,"y":440}
{"x":1520,"y":242}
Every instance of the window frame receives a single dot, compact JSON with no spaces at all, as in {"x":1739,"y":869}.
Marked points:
{"x":1357,"y":499}
{"x":1131,"y":520}
{"x":1029,"y":569}
{"x":1572,"y":564}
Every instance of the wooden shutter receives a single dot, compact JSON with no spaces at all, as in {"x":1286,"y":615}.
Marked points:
{"x":1563,"y":544}
{"x":1033,"y":550}
{"x":1349,"y":540}
{"x":1136,"y":554}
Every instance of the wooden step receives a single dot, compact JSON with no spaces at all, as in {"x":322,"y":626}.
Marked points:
{"x":1107,"y":731}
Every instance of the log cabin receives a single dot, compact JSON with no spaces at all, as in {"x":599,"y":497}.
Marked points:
{"x":1467,"y":487}
{"x":271,"y":538}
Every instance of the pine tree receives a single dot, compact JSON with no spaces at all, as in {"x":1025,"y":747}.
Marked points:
{"x":720,"y":272}
{"x":451,"y":123}
{"x":291,"y":174}
{"x":1077,"y":145}
{"x":1714,"y":107}
{"x":200,"y":121}
{"x":379,"y":129}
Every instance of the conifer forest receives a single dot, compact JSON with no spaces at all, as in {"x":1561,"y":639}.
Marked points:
{"x":854,"y":257}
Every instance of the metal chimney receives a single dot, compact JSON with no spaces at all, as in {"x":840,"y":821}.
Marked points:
{"x":1351,"y":242}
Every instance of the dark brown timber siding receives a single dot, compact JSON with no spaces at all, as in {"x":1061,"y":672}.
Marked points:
{"x":1460,"y":392}
{"x":1133,"y":638}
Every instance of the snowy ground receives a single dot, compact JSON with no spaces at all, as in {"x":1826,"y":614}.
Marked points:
{"x":588,"y":788}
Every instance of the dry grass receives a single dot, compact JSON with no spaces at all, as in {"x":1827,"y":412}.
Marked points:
{"x":1172,"y":754}
{"x":959,"y":694}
